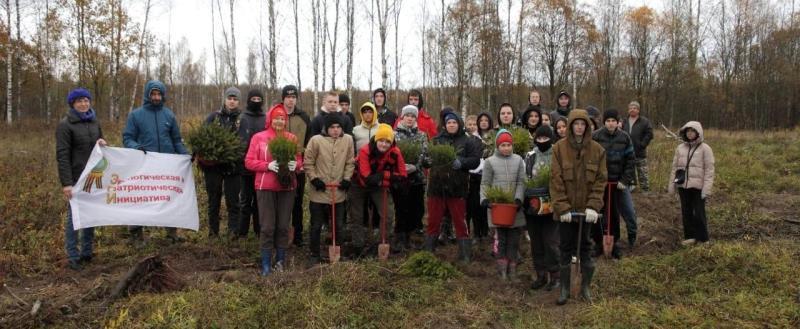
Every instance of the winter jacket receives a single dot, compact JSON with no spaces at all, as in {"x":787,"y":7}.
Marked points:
{"x":619,"y":155}
{"x":352,"y":118}
{"x":258,"y":158}
{"x":561,"y":111}
{"x":578,"y":171}
{"x":449,"y":183}
{"x":700,"y":170}
{"x":298,"y":126}
{"x":363,"y":133}
{"x":389,"y":165}
{"x":250,"y":123}
{"x":153,"y":127}
{"x":318,"y":123}
{"x":332,"y":161}
{"x":230,"y":120}
{"x":535,"y":161}
{"x":487,"y":136}
{"x":425,"y":122}
{"x":641,"y":134}
{"x":507,"y":172}
{"x":402,"y":133}
{"x":74,"y":144}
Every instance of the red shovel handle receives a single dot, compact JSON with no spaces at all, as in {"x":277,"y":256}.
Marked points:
{"x":385,"y":212}
{"x":333,"y":187}
{"x":611,"y":186}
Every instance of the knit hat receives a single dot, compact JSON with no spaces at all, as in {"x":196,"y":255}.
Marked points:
{"x":343,"y":98}
{"x":232,"y":91}
{"x":409,"y":109}
{"x":332,"y":119}
{"x":634,"y":103}
{"x":610,"y":114}
{"x":384,"y":132}
{"x":77,"y":93}
{"x":592,"y":111}
{"x":450,"y":116}
{"x":288,"y":90}
{"x":255,"y":92}
{"x":276,"y":111}
{"x":503,"y":136}
{"x":544,"y":131}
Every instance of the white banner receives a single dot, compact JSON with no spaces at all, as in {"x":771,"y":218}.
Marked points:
{"x":127,"y":187}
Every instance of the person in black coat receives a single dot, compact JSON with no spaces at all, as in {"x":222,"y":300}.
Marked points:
{"x":252,"y":121}
{"x":76,"y":135}
{"x":641,"y":131}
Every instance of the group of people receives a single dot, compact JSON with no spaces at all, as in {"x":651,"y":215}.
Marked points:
{"x":361,"y":184}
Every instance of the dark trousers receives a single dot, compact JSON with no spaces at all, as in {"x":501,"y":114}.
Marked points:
{"x":321,"y":214}
{"x":543,"y":231}
{"x":610,"y":210}
{"x":218,"y":182}
{"x":508,"y":243}
{"x":569,"y":241}
{"x":476,"y":214}
{"x":409,"y":207}
{"x":249,"y":206}
{"x":693,"y":211}
{"x":275,"y":210}
{"x":297,"y":208}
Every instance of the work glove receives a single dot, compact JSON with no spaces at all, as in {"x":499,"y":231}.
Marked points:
{"x":591,"y":216}
{"x":566,"y":217}
{"x":374,"y":180}
{"x":456,"y":164}
{"x":410,"y":168}
{"x":141,"y":148}
{"x":344,"y":185}
{"x":485,"y":203}
{"x":273,"y":166}
{"x":292,"y":165}
{"x":621,"y":186}
{"x":318,"y":184}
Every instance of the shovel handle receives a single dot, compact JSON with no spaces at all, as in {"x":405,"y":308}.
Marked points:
{"x":333,"y":187}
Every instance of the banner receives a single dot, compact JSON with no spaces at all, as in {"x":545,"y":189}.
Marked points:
{"x":128,"y":187}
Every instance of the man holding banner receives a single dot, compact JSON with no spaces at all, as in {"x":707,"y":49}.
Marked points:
{"x":153,"y":127}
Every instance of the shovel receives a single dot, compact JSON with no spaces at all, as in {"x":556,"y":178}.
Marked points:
{"x":334,"y":251}
{"x":575,"y":276}
{"x":608,"y":238}
{"x":383,"y":247}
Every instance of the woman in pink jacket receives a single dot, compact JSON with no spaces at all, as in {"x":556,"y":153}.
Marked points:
{"x":274,"y":200}
{"x":692,"y":176}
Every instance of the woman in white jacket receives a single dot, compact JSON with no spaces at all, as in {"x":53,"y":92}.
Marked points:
{"x":693,"y":176}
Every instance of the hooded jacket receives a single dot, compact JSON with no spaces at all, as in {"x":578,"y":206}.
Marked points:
{"x":507,"y":172}
{"x":578,"y":170}
{"x":75,"y":141}
{"x":562,"y":111}
{"x":363,"y":133}
{"x":251,"y":122}
{"x":523,"y":122}
{"x":413,"y":134}
{"x":153,"y":127}
{"x":258,"y":157}
{"x":331,"y":160}
{"x":384,"y":114}
{"x":700,"y":169}
{"x":390,"y":164}
{"x":425,"y":122}
{"x":619,"y":155}
{"x":453,"y":183}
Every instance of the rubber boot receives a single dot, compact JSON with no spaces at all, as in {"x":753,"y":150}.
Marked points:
{"x":502,"y":268}
{"x":541,"y":280}
{"x":586,"y":272}
{"x":430,"y":243}
{"x":266,"y":262}
{"x":631,"y":240}
{"x":280,"y":259}
{"x":564,"y":276}
{"x":401,"y":240}
{"x":555,"y":281}
{"x":464,"y":250}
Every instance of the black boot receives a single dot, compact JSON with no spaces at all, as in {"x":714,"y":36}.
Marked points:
{"x":541,"y":280}
{"x":464,"y":250}
{"x":631,"y":240}
{"x":430,"y":243}
{"x":555,"y":281}
{"x":564,"y":276}
{"x":586,"y":272}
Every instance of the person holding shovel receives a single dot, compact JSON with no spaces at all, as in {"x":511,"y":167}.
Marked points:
{"x":505,"y":170}
{"x":329,"y":164}
{"x":379,"y":165}
{"x":275,"y":200}
{"x":578,"y":177}
{"x":620,"y":163}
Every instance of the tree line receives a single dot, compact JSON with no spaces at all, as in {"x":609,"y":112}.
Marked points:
{"x":732,"y":64}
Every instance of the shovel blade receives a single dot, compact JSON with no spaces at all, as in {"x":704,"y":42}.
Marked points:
{"x":383,"y":251}
{"x":608,"y":245}
{"x":574,"y":279}
{"x":334,"y":254}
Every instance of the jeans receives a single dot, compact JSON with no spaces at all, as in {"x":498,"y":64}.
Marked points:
{"x":71,"y":239}
{"x":625,"y":206}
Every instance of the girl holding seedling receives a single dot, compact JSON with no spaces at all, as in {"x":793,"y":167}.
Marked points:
{"x":504,"y":176}
{"x":275,"y":185}
{"x":692,"y":176}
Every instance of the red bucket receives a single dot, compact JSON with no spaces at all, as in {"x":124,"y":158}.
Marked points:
{"x":504,"y":214}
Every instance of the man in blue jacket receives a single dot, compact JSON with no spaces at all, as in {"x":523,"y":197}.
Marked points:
{"x":152,"y":127}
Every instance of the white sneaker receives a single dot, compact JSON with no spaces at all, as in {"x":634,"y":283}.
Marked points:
{"x":278,"y":267}
{"x":688,"y":242}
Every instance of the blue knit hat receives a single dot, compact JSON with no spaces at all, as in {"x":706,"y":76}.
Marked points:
{"x":450,"y":116}
{"x":77,"y":93}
